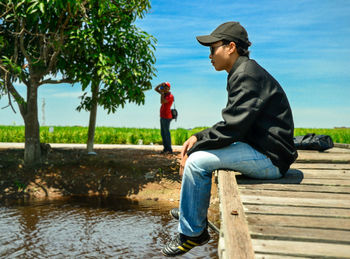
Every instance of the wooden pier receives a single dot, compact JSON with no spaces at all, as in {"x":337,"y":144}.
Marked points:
{"x":306,"y":214}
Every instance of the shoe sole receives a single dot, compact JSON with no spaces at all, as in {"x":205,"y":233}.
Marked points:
{"x":199,"y":244}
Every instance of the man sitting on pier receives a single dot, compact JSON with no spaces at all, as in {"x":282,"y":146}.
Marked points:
{"x":254,"y":138}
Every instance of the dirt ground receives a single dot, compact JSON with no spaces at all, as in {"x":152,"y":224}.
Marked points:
{"x":131,"y":173}
{"x":138,"y":174}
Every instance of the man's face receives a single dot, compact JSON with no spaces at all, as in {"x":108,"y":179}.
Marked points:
{"x":165,"y":89}
{"x":220,"y":56}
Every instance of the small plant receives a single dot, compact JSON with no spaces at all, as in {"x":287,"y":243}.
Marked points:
{"x":20,"y":186}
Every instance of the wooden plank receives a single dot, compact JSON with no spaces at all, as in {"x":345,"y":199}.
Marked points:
{"x":297,"y":188}
{"x":324,"y":173}
{"x":235,"y":241}
{"x":325,"y":182}
{"x":291,"y":194}
{"x":338,"y":148}
{"x":295,"y":179}
{"x":311,"y":173}
{"x":306,"y":249}
{"x":342,"y":145}
{"x":329,"y":151}
{"x":324,"y":157}
{"x":296,"y":211}
{"x":269,"y":256}
{"x":300,"y":234}
{"x":299,"y":221}
{"x":321,"y":203}
{"x":328,"y":166}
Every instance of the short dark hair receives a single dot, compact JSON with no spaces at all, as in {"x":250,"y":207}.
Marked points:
{"x":242,"y":51}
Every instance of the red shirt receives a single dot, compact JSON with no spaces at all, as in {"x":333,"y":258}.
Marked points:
{"x":165,"y":112}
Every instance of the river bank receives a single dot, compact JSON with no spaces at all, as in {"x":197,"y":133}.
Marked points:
{"x":135,"y":172}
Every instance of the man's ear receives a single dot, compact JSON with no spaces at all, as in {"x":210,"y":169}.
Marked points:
{"x":232,"y":47}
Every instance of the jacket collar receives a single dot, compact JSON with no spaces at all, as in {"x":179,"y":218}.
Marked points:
{"x":239,"y":61}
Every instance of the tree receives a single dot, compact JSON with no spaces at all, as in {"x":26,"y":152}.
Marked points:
{"x":32,"y":36}
{"x":115,"y":58}
{"x":90,"y":41}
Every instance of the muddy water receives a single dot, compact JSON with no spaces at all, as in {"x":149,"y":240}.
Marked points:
{"x":90,"y":228}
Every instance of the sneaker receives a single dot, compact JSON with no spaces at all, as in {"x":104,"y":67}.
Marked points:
{"x":181,"y":244}
{"x":175,"y":213}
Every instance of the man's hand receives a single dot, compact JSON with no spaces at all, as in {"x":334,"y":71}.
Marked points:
{"x":185,"y":147}
{"x":158,"y":88}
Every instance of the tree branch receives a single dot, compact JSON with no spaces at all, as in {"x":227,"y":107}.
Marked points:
{"x":21,"y":45}
{"x":10,"y":103}
{"x":7,"y":10}
{"x":61,"y":39}
{"x":15,"y":55}
{"x":50,"y":81}
{"x":19,"y":99}
{"x":4,"y":68}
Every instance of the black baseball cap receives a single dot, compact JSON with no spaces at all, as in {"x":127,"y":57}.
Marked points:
{"x":231,"y":31}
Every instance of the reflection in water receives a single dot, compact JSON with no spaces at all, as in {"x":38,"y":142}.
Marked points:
{"x":90,"y":228}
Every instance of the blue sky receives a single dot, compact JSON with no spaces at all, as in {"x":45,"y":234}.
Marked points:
{"x":305,"y":45}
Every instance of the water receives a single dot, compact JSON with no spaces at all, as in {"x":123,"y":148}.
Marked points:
{"x":90,"y":228}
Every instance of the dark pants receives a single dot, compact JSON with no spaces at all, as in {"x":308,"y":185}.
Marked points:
{"x":165,"y":132}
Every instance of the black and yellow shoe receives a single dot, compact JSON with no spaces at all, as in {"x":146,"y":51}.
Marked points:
{"x":181,"y":244}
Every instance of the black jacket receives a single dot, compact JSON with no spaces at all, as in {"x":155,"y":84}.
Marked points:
{"x":257,"y":113}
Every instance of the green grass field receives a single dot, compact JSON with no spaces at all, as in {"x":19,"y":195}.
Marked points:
{"x":108,"y":135}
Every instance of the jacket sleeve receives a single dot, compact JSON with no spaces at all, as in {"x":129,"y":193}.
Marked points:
{"x":242,"y":109}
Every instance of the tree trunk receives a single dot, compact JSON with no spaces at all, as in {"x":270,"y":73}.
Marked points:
{"x":32,"y":152}
{"x":93,"y":112}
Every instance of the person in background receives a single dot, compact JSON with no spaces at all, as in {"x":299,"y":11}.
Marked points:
{"x":166,"y":100}
{"x":255,"y":136}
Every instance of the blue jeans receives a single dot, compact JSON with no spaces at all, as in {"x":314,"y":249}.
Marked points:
{"x":196,"y":180}
{"x":165,"y":132}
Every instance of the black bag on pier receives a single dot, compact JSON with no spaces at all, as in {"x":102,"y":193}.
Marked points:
{"x":312,"y":141}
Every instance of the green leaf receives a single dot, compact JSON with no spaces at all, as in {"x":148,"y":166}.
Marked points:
{"x":41,"y":7}
{"x":31,"y":9}
{"x":19,"y":4}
